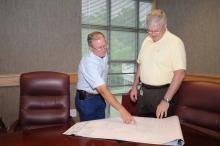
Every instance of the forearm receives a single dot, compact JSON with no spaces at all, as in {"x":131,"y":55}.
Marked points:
{"x":137,"y":77}
{"x":175,"y":83}
{"x":107,"y":95}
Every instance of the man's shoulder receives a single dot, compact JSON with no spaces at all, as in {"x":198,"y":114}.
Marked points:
{"x":147,"y":41}
{"x":173,"y":36}
{"x":89,"y":60}
{"x":88,"y":57}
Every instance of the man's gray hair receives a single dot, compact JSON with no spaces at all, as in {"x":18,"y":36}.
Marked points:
{"x":156,"y":16}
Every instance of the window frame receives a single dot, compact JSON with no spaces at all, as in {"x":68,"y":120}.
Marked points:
{"x":109,"y":28}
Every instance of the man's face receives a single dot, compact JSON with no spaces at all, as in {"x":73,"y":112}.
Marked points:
{"x":99,"y":47}
{"x":156,"y":31}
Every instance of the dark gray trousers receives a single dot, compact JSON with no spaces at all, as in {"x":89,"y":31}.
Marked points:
{"x":148,"y":102}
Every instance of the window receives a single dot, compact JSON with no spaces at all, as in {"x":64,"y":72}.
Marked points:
{"x":123,"y":22}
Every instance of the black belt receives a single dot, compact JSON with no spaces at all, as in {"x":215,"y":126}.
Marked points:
{"x":155,"y":87}
{"x":86,"y":93}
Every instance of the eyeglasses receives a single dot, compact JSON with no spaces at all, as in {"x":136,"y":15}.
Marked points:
{"x":154,"y":32}
{"x":101,"y":47}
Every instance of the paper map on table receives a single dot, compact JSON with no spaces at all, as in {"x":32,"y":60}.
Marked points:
{"x":146,"y":130}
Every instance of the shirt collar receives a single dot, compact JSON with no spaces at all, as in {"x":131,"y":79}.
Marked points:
{"x":97,"y":57}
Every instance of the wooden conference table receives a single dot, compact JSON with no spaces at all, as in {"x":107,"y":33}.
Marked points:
{"x":52,"y":136}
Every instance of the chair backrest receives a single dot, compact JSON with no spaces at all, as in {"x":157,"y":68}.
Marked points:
{"x":44,"y":98}
{"x":128,"y":104}
{"x":199,"y":104}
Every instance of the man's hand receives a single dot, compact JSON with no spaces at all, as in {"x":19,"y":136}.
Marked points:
{"x":133,"y":94}
{"x":107,"y":95}
{"x":127,"y":117}
{"x":162,"y":109}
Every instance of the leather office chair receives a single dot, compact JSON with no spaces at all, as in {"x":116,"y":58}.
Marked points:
{"x":128,"y":104}
{"x":44,"y":100}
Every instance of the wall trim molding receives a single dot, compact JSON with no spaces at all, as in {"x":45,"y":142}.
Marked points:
{"x":7,"y":80}
{"x":202,"y":77}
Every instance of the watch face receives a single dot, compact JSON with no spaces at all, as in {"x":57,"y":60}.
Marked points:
{"x":166,"y":100}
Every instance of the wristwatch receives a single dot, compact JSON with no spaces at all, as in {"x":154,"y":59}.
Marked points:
{"x":166,"y":99}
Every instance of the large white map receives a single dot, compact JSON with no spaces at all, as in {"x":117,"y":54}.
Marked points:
{"x":146,"y":130}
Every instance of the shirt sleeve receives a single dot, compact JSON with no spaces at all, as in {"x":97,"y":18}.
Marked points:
{"x":179,"y":56}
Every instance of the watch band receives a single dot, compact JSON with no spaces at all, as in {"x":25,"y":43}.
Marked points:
{"x":166,"y":100}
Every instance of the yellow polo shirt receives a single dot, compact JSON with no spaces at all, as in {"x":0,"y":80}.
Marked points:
{"x":158,"y":60}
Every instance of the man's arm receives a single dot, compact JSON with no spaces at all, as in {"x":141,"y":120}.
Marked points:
{"x":175,"y":83}
{"x":126,"y":116}
{"x":133,"y":94}
{"x":174,"y":86}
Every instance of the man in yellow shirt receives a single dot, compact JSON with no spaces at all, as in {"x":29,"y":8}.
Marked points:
{"x":161,"y":68}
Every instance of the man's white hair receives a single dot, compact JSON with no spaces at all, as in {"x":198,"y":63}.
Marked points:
{"x":156,"y":16}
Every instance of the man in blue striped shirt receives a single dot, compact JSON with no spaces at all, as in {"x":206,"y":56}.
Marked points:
{"x":92,"y":90}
